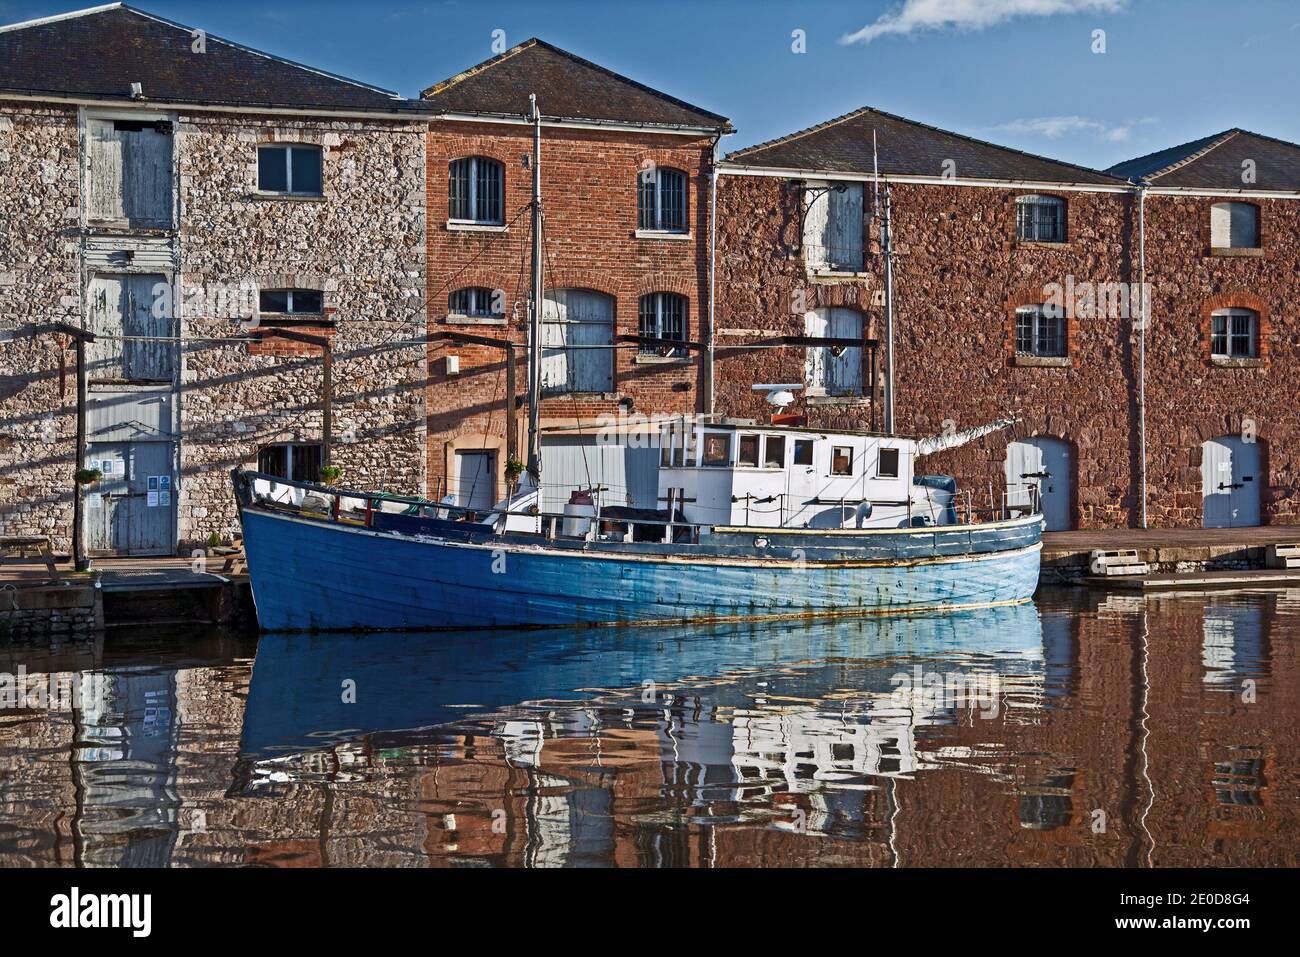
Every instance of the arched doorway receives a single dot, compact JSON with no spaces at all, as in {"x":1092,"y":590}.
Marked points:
{"x":1041,"y":463}
{"x":1230,"y":482}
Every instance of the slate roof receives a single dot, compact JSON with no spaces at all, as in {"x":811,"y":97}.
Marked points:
{"x":907,"y":148}
{"x":1217,"y":162}
{"x":567,"y":87}
{"x":99,"y":52}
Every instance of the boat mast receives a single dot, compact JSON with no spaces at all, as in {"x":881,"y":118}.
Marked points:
{"x":535,"y":303}
{"x":887,"y":248}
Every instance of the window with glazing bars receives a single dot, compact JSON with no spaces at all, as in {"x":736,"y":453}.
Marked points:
{"x":661,"y":200}
{"x":1039,"y":333}
{"x":471,"y":301}
{"x":663,"y":316}
{"x":475,"y":191}
{"x":1233,"y":334}
{"x":1040,"y":219}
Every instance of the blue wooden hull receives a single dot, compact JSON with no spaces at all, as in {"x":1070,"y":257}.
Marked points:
{"x":313,"y":575}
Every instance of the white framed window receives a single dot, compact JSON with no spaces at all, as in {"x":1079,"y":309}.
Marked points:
{"x":1234,"y":334}
{"x":287,"y":306}
{"x":1040,"y":219}
{"x":662,"y":315}
{"x":1040,"y":332}
{"x":887,"y":463}
{"x":295,"y":461}
{"x":471,"y":301}
{"x":774,"y":452}
{"x":833,"y":370}
{"x":833,"y":227}
{"x":476,"y":191}
{"x":1234,"y":226}
{"x":661,"y":200}
{"x":290,"y":170}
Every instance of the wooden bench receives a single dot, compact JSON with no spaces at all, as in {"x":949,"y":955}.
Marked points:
{"x":235,"y":563}
{"x":18,"y":550}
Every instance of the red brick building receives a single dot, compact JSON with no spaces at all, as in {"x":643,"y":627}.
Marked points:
{"x":1018,"y":282}
{"x":626,"y":174}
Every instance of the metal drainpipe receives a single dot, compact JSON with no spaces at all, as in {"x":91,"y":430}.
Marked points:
{"x":713,"y":245}
{"x":1144,"y":310}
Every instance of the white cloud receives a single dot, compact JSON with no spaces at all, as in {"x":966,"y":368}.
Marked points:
{"x":970,"y":15}
{"x":1056,"y":127}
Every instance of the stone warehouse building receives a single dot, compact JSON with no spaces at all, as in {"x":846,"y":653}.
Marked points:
{"x":1018,"y":286}
{"x":626,"y":196}
{"x":186,"y":200}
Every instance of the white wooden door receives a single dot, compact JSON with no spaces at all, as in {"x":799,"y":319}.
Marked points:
{"x":132,"y":509}
{"x":825,"y":373}
{"x":135,"y":335}
{"x":1230,"y":482}
{"x":571,"y":320}
{"x":1043,"y":464}
{"x":475,"y":479}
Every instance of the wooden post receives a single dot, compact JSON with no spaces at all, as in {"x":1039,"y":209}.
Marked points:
{"x":327,"y":401}
{"x":79,"y":560}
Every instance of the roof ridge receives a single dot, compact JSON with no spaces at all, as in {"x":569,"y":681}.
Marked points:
{"x":188,"y":30}
{"x":1217,"y":140}
{"x":56,"y":17}
{"x":790,"y":137}
{"x":932,"y":128}
{"x":537,"y":41}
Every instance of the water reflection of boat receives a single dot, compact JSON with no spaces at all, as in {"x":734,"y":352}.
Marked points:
{"x":311,"y":691}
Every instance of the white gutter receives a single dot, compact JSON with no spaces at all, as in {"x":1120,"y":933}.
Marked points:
{"x":410,"y":116}
{"x":728,"y":169}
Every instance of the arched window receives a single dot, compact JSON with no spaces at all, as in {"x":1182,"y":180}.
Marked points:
{"x":1040,"y":331}
{"x":1040,"y":219}
{"x":834,"y":370}
{"x":473,"y":301}
{"x":661,"y":200}
{"x":1234,"y":226}
{"x":663,"y":316}
{"x":1234,"y":333}
{"x":476,"y":191}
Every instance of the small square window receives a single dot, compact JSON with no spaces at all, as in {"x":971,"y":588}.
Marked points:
{"x":290,"y":170}
{"x":748,"y":451}
{"x":717,"y":451}
{"x":887,"y":463}
{"x":842,"y":460}
{"x":774,"y":452}
{"x":292,"y":302}
{"x":803,"y":452}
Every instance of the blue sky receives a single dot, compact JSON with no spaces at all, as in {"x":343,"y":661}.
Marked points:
{"x":1018,"y":72}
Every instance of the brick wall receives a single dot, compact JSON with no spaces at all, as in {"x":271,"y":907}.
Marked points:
{"x":589,"y":195}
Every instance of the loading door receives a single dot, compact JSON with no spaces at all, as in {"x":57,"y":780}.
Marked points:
{"x":131,"y":510}
{"x":1230,"y":482}
{"x":1041,"y":463}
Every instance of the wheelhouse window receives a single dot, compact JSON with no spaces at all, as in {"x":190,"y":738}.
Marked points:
{"x":1040,"y":332}
{"x":833,"y":370}
{"x":833,"y":227}
{"x":1234,"y":226}
{"x":297,"y":462}
{"x":887,"y":463}
{"x":475,"y":301}
{"x":717,"y":450}
{"x":290,"y":306}
{"x":1040,"y":219}
{"x":289,"y":170}
{"x":774,"y":452}
{"x":803,"y":452}
{"x":476,"y":191}
{"x":661,"y":200}
{"x":842,"y":460}
{"x":748,"y":454}
{"x":663,"y":316}
{"x":1234,"y":334}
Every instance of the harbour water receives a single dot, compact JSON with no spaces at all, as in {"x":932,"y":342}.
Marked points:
{"x":1079,"y":730}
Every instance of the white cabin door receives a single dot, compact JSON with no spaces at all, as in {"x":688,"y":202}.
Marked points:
{"x":1230,"y":482}
{"x":1041,"y":463}
{"x":475,"y":479}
